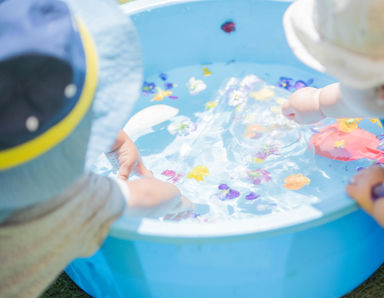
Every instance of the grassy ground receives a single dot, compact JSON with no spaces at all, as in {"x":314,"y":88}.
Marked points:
{"x":373,"y":287}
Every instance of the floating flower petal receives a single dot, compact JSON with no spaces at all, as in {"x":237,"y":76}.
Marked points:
{"x":268,"y":150}
{"x":300,"y":84}
{"x":339,"y":144}
{"x":148,"y":88}
{"x":280,"y":100}
{"x":290,"y":85}
{"x":195,"y":86}
{"x":276,"y":110}
{"x":377,"y":121}
{"x":252,"y":196}
{"x":259,"y":176}
{"x":263,"y":94}
{"x":173,"y":177}
{"x":254,"y":131}
{"x":168,"y":85}
{"x":226,"y":193}
{"x":228,"y":27}
{"x":348,"y":124}
{"x":210,"y":105}
{"x":163,"y":76}
{"x":206,"y":71}
{"x":237,"y":97}
{"x":161,"y":94}
{"x":182,"y":126}
{"x":296,"y":181}
{"x":286,"y":83}
{"x":198,"y":173}
{"x":223,"y":186}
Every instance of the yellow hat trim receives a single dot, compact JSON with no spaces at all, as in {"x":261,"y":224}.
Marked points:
{"x":29,"y":150}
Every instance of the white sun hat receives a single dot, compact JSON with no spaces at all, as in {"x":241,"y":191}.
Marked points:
{"x":344,"y":38}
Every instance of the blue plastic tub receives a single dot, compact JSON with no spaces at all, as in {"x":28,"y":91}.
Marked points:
{"x":321,"y":250}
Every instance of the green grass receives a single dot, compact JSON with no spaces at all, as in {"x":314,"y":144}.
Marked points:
{"x":373,"y":287}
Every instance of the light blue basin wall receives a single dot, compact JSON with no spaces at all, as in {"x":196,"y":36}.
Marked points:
{"x":325,"y":261}
{"x":188,"y":34}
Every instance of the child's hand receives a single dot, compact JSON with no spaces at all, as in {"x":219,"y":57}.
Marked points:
{"x":303,"y":106}
{"x":184,"y":210}
{"x":129,"y":157}
{"x":154,"y":198}
{"x":360,"y":189}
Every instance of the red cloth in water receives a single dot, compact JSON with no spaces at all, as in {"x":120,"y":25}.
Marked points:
{"x":333,"y":143}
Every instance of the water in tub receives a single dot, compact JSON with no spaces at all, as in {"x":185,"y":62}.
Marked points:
{"x":221,"y":138}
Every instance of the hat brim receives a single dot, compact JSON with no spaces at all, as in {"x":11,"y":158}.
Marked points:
{"x":352,"y":69}
{"x":119,"y":71}
{"x":55,"y":134}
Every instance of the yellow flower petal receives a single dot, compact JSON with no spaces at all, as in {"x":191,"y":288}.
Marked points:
{"x":339,"y":144}
{"x":377,"y":121}
{"x":198,"y":173}
{"x":210,"y":105}
{"x":276,"y":109}
{"x":280,"y":100}
{"x":257,"y":160}
{"x":161,"y":94}
{"x":263,"y":94}
{"x":206,"y":71}
{"x":348,"y":124}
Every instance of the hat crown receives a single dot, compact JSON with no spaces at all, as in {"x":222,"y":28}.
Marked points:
{"x":37,"y":26}
{"x":41,"y":54}
{"x":356,"y":25}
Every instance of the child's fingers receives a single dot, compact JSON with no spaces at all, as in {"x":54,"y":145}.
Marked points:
{"x":361,"y":185}
{"x":361,"y":194}
{"x":288,"y":111}
{"x":378,"y":212}
{"x":125,"y":170}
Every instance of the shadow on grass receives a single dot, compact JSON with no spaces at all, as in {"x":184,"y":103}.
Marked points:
{"x":373,"y":287}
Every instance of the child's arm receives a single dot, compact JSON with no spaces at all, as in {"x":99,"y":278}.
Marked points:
{"x":309,"y":105}
{"x":147,"y":196}
{"x":360,"y":189}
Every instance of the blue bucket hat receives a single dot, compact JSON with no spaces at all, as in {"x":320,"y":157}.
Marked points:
{"x":70,"y":72}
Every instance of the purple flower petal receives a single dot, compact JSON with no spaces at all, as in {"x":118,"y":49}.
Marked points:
{"x":223,"y":186}
{"x":148,"y":88}
{"x":232,"y":194}
{"x":300,"y":84}
{"x":286,"y":83}
{"x":252,"y":196}
{"x":163,"y":76}
{"x":168,"y":86}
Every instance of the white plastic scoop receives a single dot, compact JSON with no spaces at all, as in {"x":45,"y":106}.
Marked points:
{"x":147,"y":118}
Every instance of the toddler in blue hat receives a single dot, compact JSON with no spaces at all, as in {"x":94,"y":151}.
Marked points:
{"x":70,"y":72}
